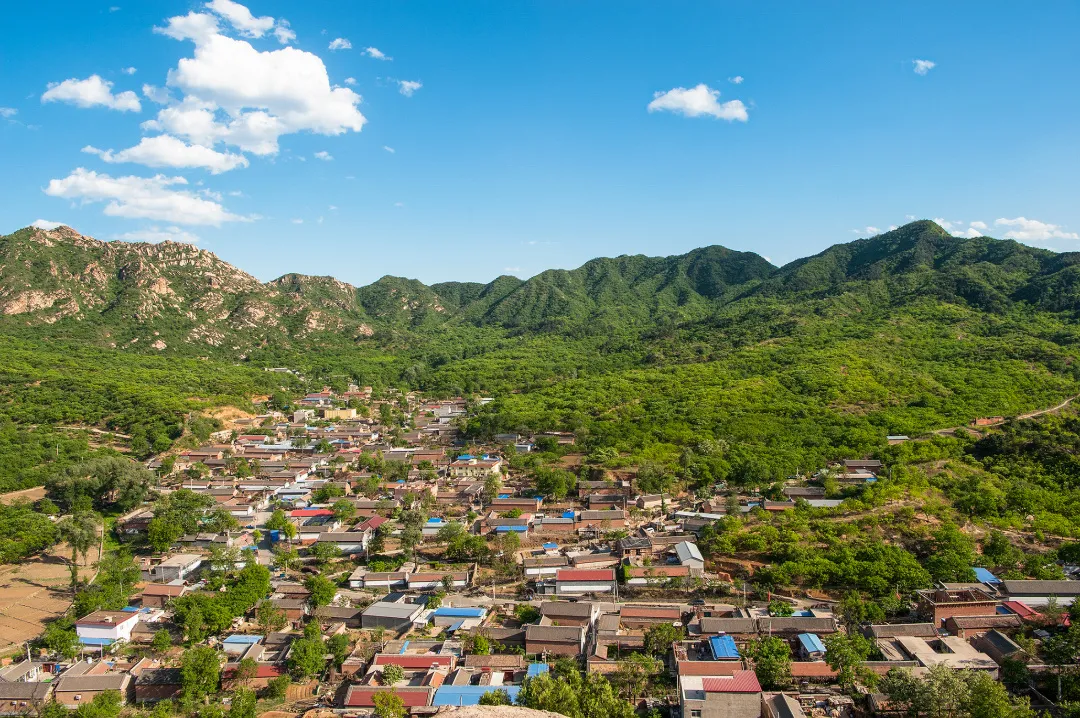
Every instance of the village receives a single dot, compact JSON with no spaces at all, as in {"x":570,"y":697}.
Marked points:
{"x":409,"y":563}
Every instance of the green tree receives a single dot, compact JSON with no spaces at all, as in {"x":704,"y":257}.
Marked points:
{"x":392,"y":674}
{"x":845,"y":654}
{"x":79,"y":532}
{"x":343,"y":509}
{"x":324,"y":552}
{"x":246,"y":671}
{"x":388,"y":705}
{"x":200,"y":672}
{"x":243,"y":704}
{"x":162,"y":641}
{"x":496,"y":697}
{"x":307,"y":657}
{"x":322,"y":590}
{"x":660,"y":636}
{"x":633,"y":674}
{"x":270,"y":618}
{"x":278,"y":687}
{"x":338,"y":646}
{"x":771,"y":658}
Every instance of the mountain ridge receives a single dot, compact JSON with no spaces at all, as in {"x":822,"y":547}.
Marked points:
{"x":170,"y":294}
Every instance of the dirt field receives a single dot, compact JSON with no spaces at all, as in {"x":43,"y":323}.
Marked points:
{"x":34,"y":592}
{"x":35,"y":494}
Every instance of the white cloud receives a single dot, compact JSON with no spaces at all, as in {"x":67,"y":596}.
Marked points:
{"x":129,"y":71}
{"x":46,"y":224}
{"x":1032,"y":230}
{"x":323,"y":155}
{"x":195,"y":26}
{"x":236,"y":94}
{"x":698,"y":101}
{"x":408,"y":87}
{"x":389,"y":149}
{"x":283,"y":32}
{"x":141,"y":198}
{"x":350,"y":80}
{"x":923,"y":66}
{"x":169,"y":151}
{"x":157,"y":95}
{"x":236,"y":193}
{"x":297,"y":221}
{"x":737,"y":80}
{"x":90,"y":92}
{"x":956,"y":227}
{"x":8,"y":112}
{"x":340,"y":43}
{"x":241,"y":18}
{"x":154,"y":235}
{"x":331,"y":207}
{"x":868,"y":231}
{"x":511,"y":270}
{"x":376,"y":53}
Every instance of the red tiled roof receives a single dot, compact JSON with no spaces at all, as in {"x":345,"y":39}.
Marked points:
{"x":263,"y":670}
{"x":163,"y":589}
{"x":811,"y":669}
{"x":595,"y":574}
{"x":373,"y":523}
{"x":739,"y":682}
{"x":311,"y":512}
{"x":1021,"y":609}
{"x":646,"y":612}
{"x":412,"y":662}
{"x":363,"y":696}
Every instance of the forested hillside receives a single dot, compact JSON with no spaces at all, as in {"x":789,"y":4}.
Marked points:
{"x":786,"y":367}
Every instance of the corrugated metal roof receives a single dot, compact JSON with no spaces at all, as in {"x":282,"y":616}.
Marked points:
{"x":584,"y":574}
{"x":468,"y":695}
{"x":811,"y":643}
{"x":739,"y":682}
{"x":723,"y":647}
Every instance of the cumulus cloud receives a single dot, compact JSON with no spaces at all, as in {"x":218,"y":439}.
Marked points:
{"x":129,"y":71}
{"x":8,"y":112}
{"x":236,"y":94}
{"x":737,"y":80}
{"x":241,"y":18}
{"x":169,"y":151}
{"x":340,"y":43}
{"x":922,"y":67}
{"x":154,"y":235}
{"x":153,"y":198}
{"x":1023,"y":229}
{"x":350,"y":80}
{"x":91,"y":92}
{"x":376,"y":53}
{"x":408,"y":87}
{"x":957,"y":229}
{"x":157,"y":95}
{"x":198,"y":27}
{"x":698,"y":101}
{"x":46,"y":224}
{"x":323,"y":155}
{"x":283,"y":32}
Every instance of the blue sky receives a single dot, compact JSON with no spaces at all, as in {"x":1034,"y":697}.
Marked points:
{"x":528,"y":142}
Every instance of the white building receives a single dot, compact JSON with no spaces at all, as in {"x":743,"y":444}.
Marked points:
{"x":104,"y":628}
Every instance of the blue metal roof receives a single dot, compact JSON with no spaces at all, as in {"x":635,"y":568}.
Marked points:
{"x":464,"y":612}
{"x":723,"y":647}
{"x":468,"y":695}
{"x":568,"y":514}
{"x":454,"y":627}
{"x":550,"y":545}
{"x":242,"y":638}
{"x":466,"y":457}
{"x":434,"y":520}
{"x":811,"y":643}
{"x":537,"y":669}
{"x":981,"y":574}
{"x":507,"y":529}
{"x":504,"y":496}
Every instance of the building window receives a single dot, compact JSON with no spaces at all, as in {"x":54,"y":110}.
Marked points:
{"x":695,"y":713}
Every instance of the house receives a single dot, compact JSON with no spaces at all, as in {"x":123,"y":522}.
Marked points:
{"x":810,"y":647}
{"x":1038,"y":593}
{"x":394,"y":612}
{"x":742,"y":629}
{"x":25,"y":672}
{"x":363,"y":696}
{"x":555,"y":640}
{"x":23,"y":698}
{"x":239,"y":643}
{"x":264,"y":673}
{"x":997,"y":645}
{"x":690,"y":555}
{"x":525,"y":504}
{"x":656,"y":575}
{"x":463,"y":618}
{"x":723,"y":648}
{"x":611,"y":518}
{"x":967,"y":626}
{"x":567,"y":613}
{"x":104,"y":628}
{"x":158,"y":684}
{"x":780,"y":705}
{"x":951,"y":651}
{"x":646,"y":502}
{"x":469,"y":695}
{"x":349,"y":543}
{"x":804,"y":492}
{"x":578,"y":582}
{"x":646,"y":616}
{"x":466,"y":466}
{"x":938,"y":604}
{"x":157,"y":595}
{"x":176,"y":567}
{"x":633,"y":547}
{"x":734,"y":696}
{"x":543,"y":566}
{"x":347,"y":615}
{"x":791,"y":626}
{"x":73,"y":691}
